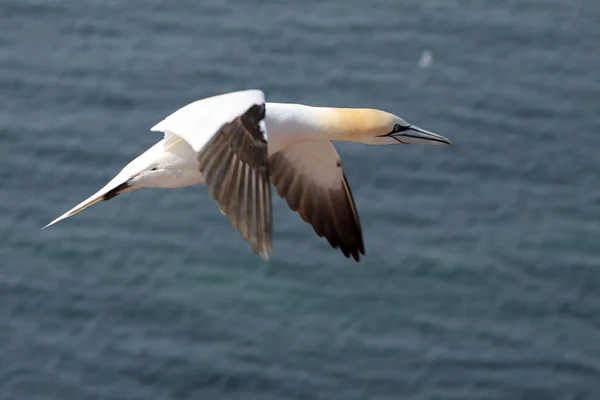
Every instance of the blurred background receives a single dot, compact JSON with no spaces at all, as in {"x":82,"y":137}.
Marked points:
{"x":481,"y":279}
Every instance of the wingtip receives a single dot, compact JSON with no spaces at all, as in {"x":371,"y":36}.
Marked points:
{"x":265,"y":254}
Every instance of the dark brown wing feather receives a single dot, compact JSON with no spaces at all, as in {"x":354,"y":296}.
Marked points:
{"x":309,"y":176}
{"x":236,"y":171}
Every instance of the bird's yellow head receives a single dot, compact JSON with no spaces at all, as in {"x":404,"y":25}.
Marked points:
{"x":377,"y":127}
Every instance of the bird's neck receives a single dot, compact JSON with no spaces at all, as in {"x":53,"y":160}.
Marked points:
{"x":289,"y":123}
{"x":295,"y":122}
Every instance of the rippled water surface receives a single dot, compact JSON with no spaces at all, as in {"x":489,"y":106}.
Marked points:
{"x":482,"y":274}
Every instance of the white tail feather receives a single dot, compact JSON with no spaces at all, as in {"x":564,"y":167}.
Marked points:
{"x":91,"y":200}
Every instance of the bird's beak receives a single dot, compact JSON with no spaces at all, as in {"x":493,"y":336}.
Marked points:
{"x":416,"y":135}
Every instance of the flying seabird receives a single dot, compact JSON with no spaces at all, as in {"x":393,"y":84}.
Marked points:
{"x":237,"y":145}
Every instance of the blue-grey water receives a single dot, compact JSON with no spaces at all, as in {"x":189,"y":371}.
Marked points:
{"x":482,"y":274}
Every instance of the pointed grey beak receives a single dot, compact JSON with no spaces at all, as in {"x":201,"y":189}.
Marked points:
{"x":415,"y":135}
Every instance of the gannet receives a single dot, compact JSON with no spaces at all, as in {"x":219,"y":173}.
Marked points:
{"x":237,"y":145}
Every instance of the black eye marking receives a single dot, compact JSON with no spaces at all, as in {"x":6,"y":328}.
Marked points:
{"x":397,"y":129}
{"x":154,"y":169}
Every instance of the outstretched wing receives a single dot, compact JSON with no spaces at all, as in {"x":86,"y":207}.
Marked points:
{"x":309,"y":176}
{"x":230,"y":137}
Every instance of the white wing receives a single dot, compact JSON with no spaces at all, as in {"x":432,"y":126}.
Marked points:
{"x":229,"y":135}
{"x":197,"y":122}
{"x":309,"y":176}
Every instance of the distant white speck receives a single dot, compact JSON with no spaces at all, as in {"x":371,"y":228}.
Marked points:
{"x":426,"y":59}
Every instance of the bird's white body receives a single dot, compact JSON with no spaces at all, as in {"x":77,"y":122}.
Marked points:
{"x":176,"y":164}
{"x":176,"y":161}
{"x":299,"y":144}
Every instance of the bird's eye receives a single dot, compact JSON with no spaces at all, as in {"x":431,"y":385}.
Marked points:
{"x":397,"y":128}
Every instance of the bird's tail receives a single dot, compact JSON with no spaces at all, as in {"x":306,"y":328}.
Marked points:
{"x":106,"y":193}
